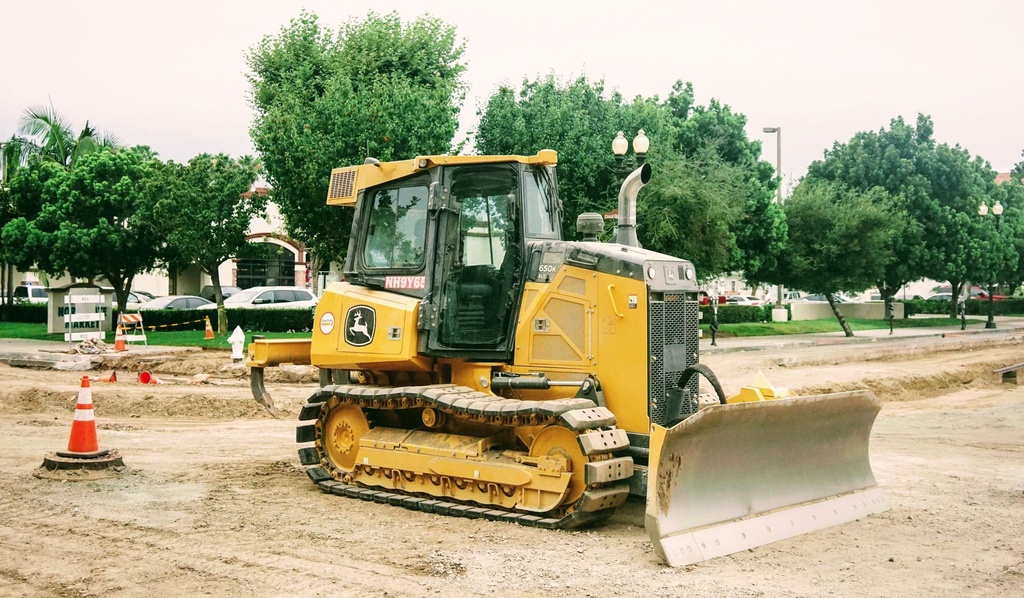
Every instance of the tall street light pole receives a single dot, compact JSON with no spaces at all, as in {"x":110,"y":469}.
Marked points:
{"x":778,"y":157}
{"x":997,"y":211}
{"x":778,"y":172}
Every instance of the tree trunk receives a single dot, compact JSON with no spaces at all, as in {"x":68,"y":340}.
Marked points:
{"x":314,"y":266}
{"x":222,"y":312}
{"x":6,"y":273}
{"x":839,"y":315}
{"x":121,"y":288}
{"x":956,"y":288}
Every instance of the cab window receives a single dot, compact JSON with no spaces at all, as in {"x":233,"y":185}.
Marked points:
{"x":397,"y":229}
{"x":538,"y":205}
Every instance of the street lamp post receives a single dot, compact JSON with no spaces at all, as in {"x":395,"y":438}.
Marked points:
{"x":778,"y":172}
{"x":997,"y":211}
{"x":778,"y":157}
{"x":635,"y":176}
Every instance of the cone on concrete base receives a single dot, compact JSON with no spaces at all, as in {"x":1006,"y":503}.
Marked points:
{"x":209,"y":329}
{"x":83,"y":460}
{"x":83,"y":441}
{"x":119,"y":340}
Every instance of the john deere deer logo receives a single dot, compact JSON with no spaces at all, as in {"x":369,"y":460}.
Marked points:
{"x":360,"y":323}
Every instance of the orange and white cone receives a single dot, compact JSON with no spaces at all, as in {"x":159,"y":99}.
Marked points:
{"x":111,"y":378}
{"x":119,"y":340}
{"x":209,"y":329}
{"x":83,"y":440}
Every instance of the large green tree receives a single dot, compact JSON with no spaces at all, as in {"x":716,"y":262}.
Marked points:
{"x":93,"y":220}
{"x":206,"y":213}
{"x":839,"y":240}
{"x":936,"y":189}
{"x":997,"y":253}
{"x":378,"y":87}
{"x":760,"y":229}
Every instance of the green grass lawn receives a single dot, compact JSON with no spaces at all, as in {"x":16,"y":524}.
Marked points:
{"x":178,"y":338}
{"x":832,"y":325}
{"x":195,"y":338}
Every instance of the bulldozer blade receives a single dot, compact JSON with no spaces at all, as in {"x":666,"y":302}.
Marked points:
{"x":259,"y":391}
{"x":733,"y":477}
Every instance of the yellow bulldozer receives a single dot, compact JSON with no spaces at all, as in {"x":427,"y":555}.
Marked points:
{"x":475,"y":364}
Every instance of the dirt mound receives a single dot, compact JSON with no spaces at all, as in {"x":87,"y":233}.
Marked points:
{"x":217,"y":364}
{"x":912,"y":386}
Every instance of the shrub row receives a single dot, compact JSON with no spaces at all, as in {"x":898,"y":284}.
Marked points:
{"x":973,"y":307}
{"x":735,"y":314}
{"x":30,"y":313}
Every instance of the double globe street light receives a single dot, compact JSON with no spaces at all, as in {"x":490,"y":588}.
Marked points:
{"x":997,"y":211}
{"x":620,"y":145}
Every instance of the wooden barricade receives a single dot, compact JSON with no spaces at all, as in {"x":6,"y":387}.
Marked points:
{"x":134,"y":331}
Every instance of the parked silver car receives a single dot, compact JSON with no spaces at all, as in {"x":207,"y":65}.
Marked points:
{"x":270,"y":297}
{"x":176,"y":302}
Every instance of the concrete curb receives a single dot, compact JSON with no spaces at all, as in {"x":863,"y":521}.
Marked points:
{"x":759,"y":344}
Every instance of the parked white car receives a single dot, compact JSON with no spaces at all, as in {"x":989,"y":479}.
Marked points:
{"x":743,"y":300}
{"x":270,"y":297}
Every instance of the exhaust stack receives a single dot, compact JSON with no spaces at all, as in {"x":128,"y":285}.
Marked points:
{"x":625,"y":230}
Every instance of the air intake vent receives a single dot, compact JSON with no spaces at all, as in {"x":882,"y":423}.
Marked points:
{"x":674,"y":346}
{"x":342,"y":184}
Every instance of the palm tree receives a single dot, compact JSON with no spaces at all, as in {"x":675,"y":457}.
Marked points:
{"x":13,"y":155}
{"x":54,"y":138}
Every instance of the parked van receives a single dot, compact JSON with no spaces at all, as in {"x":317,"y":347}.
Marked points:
{"x":30,"y":294}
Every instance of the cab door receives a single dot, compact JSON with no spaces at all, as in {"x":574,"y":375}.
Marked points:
{"x":479,"y":249}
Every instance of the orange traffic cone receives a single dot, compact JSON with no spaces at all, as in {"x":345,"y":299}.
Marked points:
{"x":119,"y":344}
{"x":111,"y":378}
{"x":147,"y":378}
{"x":83,"y":428}
{"x":209,"y":329}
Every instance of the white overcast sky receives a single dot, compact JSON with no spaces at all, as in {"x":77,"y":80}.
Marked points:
{"x":172,"y":75}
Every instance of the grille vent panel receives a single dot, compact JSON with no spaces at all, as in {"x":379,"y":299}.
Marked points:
{"x":674,"y":323}
{"x":342,"y":184}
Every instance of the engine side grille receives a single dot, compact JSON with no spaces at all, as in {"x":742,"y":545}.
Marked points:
{"x":342,"y":184}
{"x":674,"y":346}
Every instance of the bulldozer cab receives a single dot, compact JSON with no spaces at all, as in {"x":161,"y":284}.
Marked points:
{"x":455,"y":237}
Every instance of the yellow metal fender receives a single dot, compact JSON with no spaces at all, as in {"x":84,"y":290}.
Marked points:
{"x":732,"y":477}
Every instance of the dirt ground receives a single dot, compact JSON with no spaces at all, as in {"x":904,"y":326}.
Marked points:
{"x":214,"y":501}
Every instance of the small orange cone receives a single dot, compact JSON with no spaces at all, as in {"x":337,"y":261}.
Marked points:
{"x":147,"y":378}
{"x":119,"y":344}
{"x":209,"y":329}
{"x":83,"y":429}
{"x":111,"y":378}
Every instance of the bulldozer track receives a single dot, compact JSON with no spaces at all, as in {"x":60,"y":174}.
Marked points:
{"x":455,"y":509}
{"x":594,"y":425}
